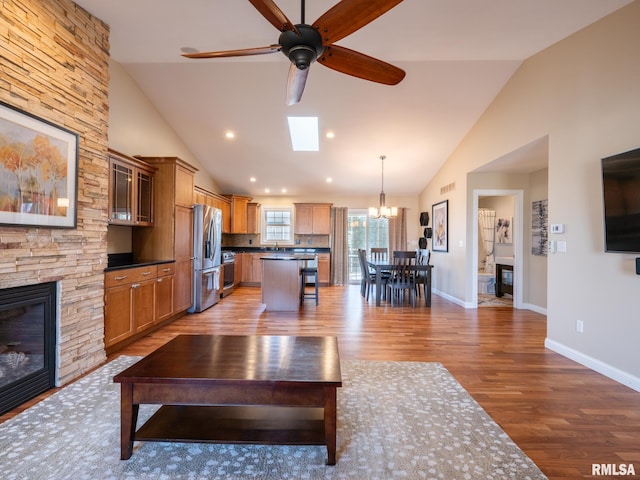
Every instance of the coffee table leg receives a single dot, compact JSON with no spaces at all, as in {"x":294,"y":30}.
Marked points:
{"x":128,"y":420}
{"x":330,"y":423}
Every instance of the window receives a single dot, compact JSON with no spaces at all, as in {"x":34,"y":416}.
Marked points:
{"x":277,"y":225}
{"x":364,"y":232}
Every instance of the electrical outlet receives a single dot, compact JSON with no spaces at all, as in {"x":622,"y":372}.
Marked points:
{"x":579,"y":326}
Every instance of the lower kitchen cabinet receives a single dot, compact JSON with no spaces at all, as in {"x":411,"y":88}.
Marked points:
{"x":324,"y":269}
{"x":164,"y":292}
{"x":138,"y":298}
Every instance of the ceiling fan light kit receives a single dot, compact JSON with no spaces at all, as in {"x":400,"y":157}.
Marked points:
{"x":303,"y":44}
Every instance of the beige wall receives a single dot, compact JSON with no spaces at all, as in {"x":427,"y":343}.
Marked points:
{"x":584,"y":94}
{"x":54,"y":64}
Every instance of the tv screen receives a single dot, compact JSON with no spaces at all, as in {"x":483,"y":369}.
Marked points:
{"x":621,"y":189}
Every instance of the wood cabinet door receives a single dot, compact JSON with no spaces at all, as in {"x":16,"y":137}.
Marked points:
{"x":118,"y":323}
{"x":164,"y":297}
{"x":183,"y":187}
{"x":321,"y":220}
{"x":237,"y":268}
{"x":247,"y":266}
{"x":304,"y":220}
{"x":183,"y":248}
{"x":183,"y":285}
{"x":324,"y":268}
{"x":256,"y":267}
{"x":143,"y":304}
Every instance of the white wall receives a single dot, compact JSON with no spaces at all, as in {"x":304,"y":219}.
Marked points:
{"x":584,"y":94}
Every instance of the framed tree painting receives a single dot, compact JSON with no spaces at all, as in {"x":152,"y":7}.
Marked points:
{"x":39,"y":171}
{"x":440,"y":232}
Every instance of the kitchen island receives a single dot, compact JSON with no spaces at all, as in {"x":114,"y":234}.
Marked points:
{"x":281,"y":281}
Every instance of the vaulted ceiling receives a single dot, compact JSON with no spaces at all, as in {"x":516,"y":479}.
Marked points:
{"x":457,"y":55}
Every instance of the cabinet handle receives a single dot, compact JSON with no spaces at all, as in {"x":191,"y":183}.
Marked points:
{"x":146,"y":274}
{"x":166,"y":269}
{"x":121,"y":277}
{"x":135,"y":285}
{"x":159,"y":280}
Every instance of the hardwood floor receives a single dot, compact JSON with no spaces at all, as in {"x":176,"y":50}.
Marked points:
{"x":562,"y":415}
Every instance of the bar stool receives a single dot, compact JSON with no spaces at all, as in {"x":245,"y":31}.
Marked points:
{"x":308,"y":273}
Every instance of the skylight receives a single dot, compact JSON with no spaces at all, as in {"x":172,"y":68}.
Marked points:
{"x":304,"y":134}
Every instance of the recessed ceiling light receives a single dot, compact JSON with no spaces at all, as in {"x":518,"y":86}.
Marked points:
{"x":229,"y":134}
{"x":331,"y":134}
{"x":266,"y":190}
{"x":329,"y":180}
{"x":252,"y":179}
{"x":284,"y":190}
{"x":304,"y":134}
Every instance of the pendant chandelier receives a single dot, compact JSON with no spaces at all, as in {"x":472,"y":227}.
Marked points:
{"x":383,"y":211}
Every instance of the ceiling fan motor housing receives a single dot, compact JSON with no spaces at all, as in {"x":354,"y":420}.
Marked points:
{"x":302,"y":49}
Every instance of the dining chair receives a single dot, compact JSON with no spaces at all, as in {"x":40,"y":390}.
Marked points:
{"x":404,"y":257}
{"x":401,"y":282}
{"x":379,"y":254}
{"x":369,"y":277}
{"x":422,"y":258}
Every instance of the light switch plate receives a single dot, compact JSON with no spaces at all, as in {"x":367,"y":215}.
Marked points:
{"x":557,"y":228}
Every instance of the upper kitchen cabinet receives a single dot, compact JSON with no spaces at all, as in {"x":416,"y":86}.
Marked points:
{"x":206,"y":197}
{"x":312,"y":218}
{"x":131,"y":184}
{"x":253,"y":218}
{"x":171,"y":237}
{"x":239,"y":204}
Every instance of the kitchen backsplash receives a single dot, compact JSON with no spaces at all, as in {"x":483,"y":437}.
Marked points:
{"x":250,"y":240}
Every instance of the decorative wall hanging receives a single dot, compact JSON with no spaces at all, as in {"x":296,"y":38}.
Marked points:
{"x":39,"y":170}
{"x":440,"y":219}
{"x":504,"y":230}
{"x":539,"y":227}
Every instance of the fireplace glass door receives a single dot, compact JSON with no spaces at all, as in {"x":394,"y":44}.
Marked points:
{"x":27,"y":343}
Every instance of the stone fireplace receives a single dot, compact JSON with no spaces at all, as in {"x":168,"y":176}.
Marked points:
{"x":27,"y":342}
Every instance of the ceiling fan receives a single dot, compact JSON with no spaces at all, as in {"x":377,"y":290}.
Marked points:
{"x":304,"y":44}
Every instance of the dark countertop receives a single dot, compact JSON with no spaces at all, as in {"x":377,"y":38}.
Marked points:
{"x":138,"y":263}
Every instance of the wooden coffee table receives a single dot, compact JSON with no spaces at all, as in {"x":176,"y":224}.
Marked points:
{"x":234,"y":389}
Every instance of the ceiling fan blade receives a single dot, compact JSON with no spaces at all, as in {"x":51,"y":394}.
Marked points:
{"x":235,"y":53}
{"x":348,"y":16}
{"x":274,"y":15}
{"x":360,"y":65}
{"x":295,"y":84}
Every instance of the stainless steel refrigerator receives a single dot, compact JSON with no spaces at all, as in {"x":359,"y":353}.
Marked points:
{"x":207,"y":239}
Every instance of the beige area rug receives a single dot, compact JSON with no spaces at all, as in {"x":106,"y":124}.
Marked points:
{"x":403,"y":420}
{"x":493,"y":301}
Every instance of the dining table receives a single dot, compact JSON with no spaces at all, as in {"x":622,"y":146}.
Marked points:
{"x":379,"y":267}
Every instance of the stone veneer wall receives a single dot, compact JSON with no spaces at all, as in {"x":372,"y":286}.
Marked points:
{"x":54,"y":64}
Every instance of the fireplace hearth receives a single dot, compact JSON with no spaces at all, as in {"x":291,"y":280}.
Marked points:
{"x":27,"y":343}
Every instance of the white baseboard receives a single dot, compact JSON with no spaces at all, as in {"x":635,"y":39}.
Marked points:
{"x":535,"y":308}
{"x":446,"y":296}
{"x":594,"y":364}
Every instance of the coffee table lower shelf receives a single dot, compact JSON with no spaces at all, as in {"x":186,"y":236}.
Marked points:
{"x":235,"y":424}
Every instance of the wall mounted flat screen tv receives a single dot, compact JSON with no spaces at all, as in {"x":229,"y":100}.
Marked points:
{"x":621,"y":189}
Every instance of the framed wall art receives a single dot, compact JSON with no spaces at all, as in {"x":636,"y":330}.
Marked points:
{"x":38,"y":171}
{"x":440,"y":229}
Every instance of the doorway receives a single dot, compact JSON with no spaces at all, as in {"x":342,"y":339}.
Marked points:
{"x":507,"y":244}
{"x":364,"y":232}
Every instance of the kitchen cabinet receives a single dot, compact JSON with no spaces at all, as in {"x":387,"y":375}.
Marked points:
{"x":130,"y":191}
{"x":239,"y":205}
{"x":165,"y":284}
{"x":253,"y":218}
{"x":171,"y":237}
{"x":324,"y":269}
{"x":129,"y":302}
{"x":237,"y":268}
{"x":217,"y":201}
{"x":312,"y":218}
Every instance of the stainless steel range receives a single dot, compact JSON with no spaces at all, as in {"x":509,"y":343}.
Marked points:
{"x":228,"y":267}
